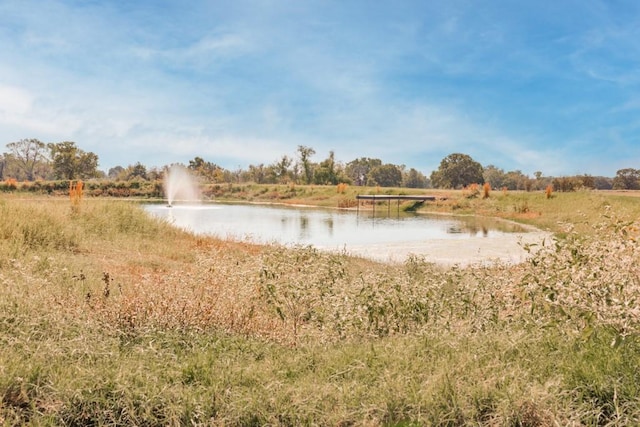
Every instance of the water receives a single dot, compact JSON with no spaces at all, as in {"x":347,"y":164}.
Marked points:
{"x":180,"y":185}
{"x":328,"y":229}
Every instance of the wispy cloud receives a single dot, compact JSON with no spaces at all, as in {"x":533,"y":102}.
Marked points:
{"x":518,"y":86}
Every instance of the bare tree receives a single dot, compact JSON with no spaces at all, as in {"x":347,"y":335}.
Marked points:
{"x":26,"y":154}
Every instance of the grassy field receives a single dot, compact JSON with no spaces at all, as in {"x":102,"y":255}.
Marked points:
{"x":109,"y":317}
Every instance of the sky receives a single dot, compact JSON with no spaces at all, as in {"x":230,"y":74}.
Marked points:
{"x":550,"y":86}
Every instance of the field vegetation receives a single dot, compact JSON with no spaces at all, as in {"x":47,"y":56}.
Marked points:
{"x":111,"y":317}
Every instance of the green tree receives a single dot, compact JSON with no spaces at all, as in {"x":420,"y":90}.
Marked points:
{"x":358,"y":169}
{"x":209,"y":171}
{"x":627,"y":179}
{"x":279,"y":171}
{"x":516,"y":180}
{"x":457,"y":170}
{"x":415,"y":179}
{"x":258,"y":174}
{"x":387,"y":175}
{"x":70,"y":162}
{"x":603,"y":182}
{"x":495,"y":177}
{"x":26,"y":155}
{"x":326,"y":172}
{"x":137,"y":171}
{"x":305,"y":154}
{"x":115,"y":172}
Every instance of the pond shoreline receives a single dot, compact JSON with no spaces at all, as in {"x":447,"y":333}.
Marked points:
{"x":507,"y":248}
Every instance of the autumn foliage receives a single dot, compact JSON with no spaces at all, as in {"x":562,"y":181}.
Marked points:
{"x":486,"y":189}
{"x":75,"y":193}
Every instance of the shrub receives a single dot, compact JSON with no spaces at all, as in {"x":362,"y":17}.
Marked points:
{"x":471,"y":191}
{"x":486,"y":189}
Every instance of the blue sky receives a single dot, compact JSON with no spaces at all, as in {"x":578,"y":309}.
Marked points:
{"x":552,"y":86}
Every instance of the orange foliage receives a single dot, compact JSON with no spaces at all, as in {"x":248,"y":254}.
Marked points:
{"x":486,"y":189}
{"x":75,"y":193}
{"x":471,"y":191}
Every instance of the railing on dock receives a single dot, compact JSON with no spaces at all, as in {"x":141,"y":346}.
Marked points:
{"x":389,"y":198}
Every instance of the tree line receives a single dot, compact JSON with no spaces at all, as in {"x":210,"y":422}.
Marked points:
{"x":31,"y":160}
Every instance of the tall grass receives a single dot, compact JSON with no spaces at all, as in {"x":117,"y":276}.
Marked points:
{"x":108,"y":316}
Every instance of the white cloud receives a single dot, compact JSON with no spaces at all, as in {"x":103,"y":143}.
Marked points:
{"x":14,"y":101}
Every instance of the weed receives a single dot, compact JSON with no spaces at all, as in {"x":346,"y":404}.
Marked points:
{"x":521,"y":207}
{"x":471,"y":191}
{"x":486,"y":189}
{"x":181,"y":329}
{"x":549,"y":191}
{"x":75,"y":194}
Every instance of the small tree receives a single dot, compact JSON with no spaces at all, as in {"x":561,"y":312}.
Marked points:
{"x":70,"y":162}
{"x":280,"y":171}
{"x":326,"y":172}
{"x":415,"y":179}
{"x":210,"y":171}
{"x":137,"y":171}
{"x":358,"y":169}
{"x":257,"y":174}
{"x":115,"y":172}
{"x":305,"y":154}
{"x":495,"y":176}
{"x":457,"y":171}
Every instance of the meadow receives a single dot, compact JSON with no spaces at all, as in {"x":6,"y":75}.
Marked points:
{"x":111,"y":317}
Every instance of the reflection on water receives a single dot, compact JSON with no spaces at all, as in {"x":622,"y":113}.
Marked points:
{"x":329,"y":223}
{"x":325,"y":228}
{"x":305,"y":232}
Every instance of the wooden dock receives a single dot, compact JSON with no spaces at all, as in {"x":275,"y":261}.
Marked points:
{"x":389,"y":197}
{"x":394,"y":197}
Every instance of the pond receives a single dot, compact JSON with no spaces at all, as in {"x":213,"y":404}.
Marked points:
{"x":387,"y":236}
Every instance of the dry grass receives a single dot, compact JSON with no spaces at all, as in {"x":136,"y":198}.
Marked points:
{"x":110,"y":317}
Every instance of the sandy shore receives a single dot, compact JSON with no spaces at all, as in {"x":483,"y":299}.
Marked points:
{"x":507,"y":249}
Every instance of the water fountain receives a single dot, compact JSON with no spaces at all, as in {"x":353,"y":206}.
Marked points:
{"x":179,"y":184}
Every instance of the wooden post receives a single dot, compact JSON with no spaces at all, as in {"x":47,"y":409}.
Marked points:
{"x":374,"y":206}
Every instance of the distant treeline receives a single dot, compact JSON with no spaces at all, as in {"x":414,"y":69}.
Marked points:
{"x":46,"y":166}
